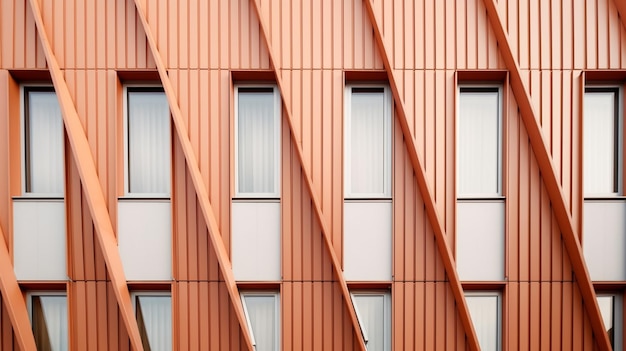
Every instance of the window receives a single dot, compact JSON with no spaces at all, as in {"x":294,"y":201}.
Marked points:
{"x":154,"y":318}
{"x":261,"y":309}
{"x":148,"y":151}
{"x":367,"y":142}
{"x":48,"y":313}
{"x":373,"y":310}
{"x":601,"y":142}
{"x":485,"y":311}
{"x":479,"y":132}
{"x":257,"y":142}
{"x":611,"y":310}
{"x":43,"y":143}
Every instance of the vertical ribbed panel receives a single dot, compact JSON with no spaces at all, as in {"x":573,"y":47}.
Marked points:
{"x":315,"y":42}
{"x":7,"y":338}
{"x":97,"y":324}
{"x":565,"y":34}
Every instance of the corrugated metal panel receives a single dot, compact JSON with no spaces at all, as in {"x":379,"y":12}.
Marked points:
{"x":203,"y":40}
{"x":7,"y":338}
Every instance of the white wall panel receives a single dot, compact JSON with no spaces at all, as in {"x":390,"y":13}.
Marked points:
{"x":256,"y":241}
{"x":367,"y":240}
{"x":39,"y":239}
{"x":604,"y":239}
{"x":145,"y":239}
{"x":480,"y":240}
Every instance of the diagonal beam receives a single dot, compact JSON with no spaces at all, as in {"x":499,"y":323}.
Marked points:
{"x":422,"y":182}
{"x":550,"y":179}
{"x":14,"y":301}
{"x":91,"y":184}
{"x":196,"y":177}
{"x":306,"y":171}
{"x":621,"y":10}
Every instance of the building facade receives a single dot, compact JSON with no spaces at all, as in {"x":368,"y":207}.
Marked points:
{"x":312,"y":175}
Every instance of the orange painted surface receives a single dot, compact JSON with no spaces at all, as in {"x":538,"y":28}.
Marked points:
{"x":101,"y":45}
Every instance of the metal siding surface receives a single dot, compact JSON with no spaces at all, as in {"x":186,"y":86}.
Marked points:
{"x":315,"y":42}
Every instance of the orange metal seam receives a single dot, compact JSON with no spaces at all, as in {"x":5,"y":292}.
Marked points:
{"x":198,"y":182}
{"x":309,"y":182}
{"x":14,"y":301}
{"x":91,"y":184}
{"x":427,"y":194}
{"x":546,"y":167}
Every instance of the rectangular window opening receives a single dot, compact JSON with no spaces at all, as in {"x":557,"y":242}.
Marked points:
{"x":257,"y":142}
{"x":611,"y":311}
{"x":262,"y":314}
{"x":49,"y":319}
{"x":43,"y":151}
{"x":479,"y":143}
{"x":373,"y":309}
{"x":602,"y":140}
{"x":485,"y":309}
{"x":154,"y":318}
{"x":367,"y":144}
{"x":147,"y":143}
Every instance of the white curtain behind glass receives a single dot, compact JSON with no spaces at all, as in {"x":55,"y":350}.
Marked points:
{"x":157,"y":318}
{"x":369,"y":138}
{"x":478,"y":144}
{"x":256,"y":143}
{"x":55,"y":314}
{"x":45,"y":144}
{"x":484,"y":313}
{"x":599,"y":143}
{"x":372,"y":315}
{"x":262,"y":313}
{"x":149,"y":151}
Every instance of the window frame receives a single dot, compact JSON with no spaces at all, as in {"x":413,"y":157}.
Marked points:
{"x":618,"y":135}
{"x":388,"y":317}
{"x":277,"y":142}
{"x":618,"y":317}
{"x":388,"y":152}
{"x":262,"y":293}
{"x":25,"y":138}
{"x":134,"y":295}
{"x":477,"y":88}
{"x":490,"y":293}
{"x":39,"y":293}
{"x":142,"y":88}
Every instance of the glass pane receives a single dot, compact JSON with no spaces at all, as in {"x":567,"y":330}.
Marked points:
{"x":373,"y":316}
{"x":484,"y":312}
{"x":149,"y":151}
{"x":49,"y":318}
{"x":257,"y":143}
{"x":262,"y":313}
{"x":368,"y":144}
{"x":607,"y":310}
{"x":478,"y":144}
{"x":600,"y":158}
{"x":154,"y":316}
{"x":44,"y":144}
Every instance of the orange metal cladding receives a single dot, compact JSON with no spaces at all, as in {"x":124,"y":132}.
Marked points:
{"x":323,"y":220}
{"x":424,"y":50}
{"x":198,"y":182}
{"x":429,"y":201}
{"x":91,"y":184}
{"x":549,"y":176}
